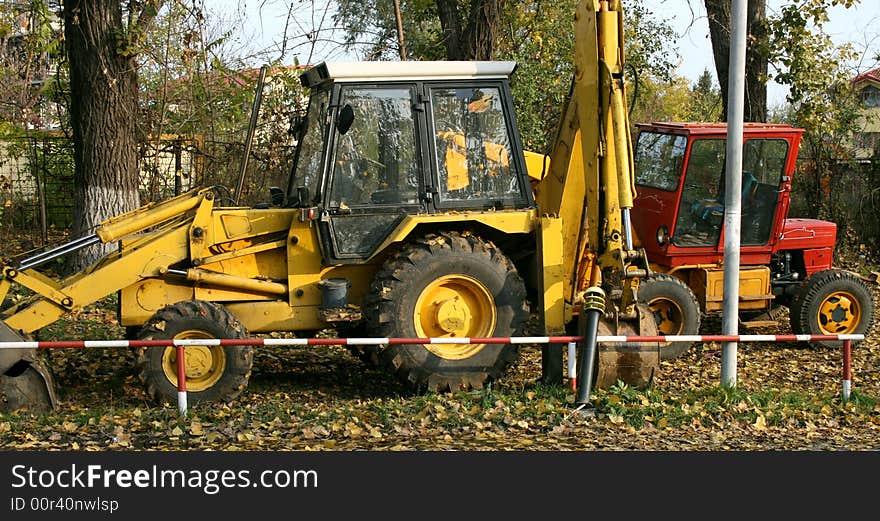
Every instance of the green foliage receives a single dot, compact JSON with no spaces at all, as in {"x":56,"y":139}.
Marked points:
{"x":705,"y":99}
{"x":187,"y":86}
{"x":198,"y":92}
{"x":541,"y":41}
{"x":821,"y":101}
{"x":537,"y":35}
{"x":658,"y":100}
{"x":29,"y":42}
{"x":371,"y":27}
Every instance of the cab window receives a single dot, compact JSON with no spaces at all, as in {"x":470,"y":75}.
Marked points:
{"x":701,"y":211}
{"x":472,"y":145}
{"x":376,"y":159}
{"x":658,"y":160}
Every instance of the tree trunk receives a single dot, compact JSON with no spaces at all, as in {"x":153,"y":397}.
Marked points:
{"x":476,"y":41}
{"x":103,"y":115}
{"x":450,"y":22}
{"x":718,"y":12}
{"x":757,"y":58}
{"x":482,"y":29}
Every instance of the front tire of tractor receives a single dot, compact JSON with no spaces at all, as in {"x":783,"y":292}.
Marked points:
{"x":447,"y":285}
{"x":832,"y":302}
{"x":213,"y":373}
{"x":675,"y":311}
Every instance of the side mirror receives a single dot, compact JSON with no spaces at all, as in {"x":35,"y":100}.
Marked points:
{"x":344,"y":119}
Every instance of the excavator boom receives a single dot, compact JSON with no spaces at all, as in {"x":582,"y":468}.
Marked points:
{"x":589,"y":191}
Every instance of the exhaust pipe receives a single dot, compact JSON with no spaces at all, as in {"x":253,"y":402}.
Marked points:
{"x":25,"y":381}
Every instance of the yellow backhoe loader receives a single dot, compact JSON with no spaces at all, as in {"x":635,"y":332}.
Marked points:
{"x":410,"y":212}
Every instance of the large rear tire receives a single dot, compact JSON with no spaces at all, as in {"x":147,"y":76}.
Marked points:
{"x":447,"y":285}
{"x":213,"y":373}
{"x":675,"y":310}
{"x":832,"y":302}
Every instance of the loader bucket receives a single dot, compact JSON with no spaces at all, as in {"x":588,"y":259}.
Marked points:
{"x":25,"y":381}
{"x":633,"y":363}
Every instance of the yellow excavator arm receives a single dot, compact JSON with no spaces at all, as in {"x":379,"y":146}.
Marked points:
{"x":586,"y":243}
{"x":589,"y":186}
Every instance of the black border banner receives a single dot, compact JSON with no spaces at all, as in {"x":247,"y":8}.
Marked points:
{"x":410,"y":485}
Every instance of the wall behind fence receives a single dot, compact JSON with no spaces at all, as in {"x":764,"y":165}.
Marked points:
{"x":36,"y":183}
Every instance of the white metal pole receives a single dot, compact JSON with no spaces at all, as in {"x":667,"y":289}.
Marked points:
{"x":733,"y":188}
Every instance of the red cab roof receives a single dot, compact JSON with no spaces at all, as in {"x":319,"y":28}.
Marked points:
{"x":717,"y":128}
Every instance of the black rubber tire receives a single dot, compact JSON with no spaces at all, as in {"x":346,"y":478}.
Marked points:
{"x":805,"y":306}
{"x":215,"y":322}
{"x":396,"y":290}
{"x":686,"y":316}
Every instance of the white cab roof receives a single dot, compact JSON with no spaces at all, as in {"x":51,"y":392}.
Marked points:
{"x":418,"y":70}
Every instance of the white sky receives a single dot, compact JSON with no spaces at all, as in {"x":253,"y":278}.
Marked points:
{"x":859,"y":25}
{"x":264,"y":22}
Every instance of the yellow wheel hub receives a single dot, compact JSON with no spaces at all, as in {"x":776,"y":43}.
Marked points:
{"x":668,"y":315}
{"x":204,"y":365}
{"x":455,"y":306}
{"x":839,"y":314}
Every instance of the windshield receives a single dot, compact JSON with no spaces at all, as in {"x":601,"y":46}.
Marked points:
{"x":658,"y":160}
{"x":310,"y":152}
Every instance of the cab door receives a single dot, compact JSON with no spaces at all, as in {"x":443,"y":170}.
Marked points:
{"x":475,"y":150}
{"x":375,"y":173}
{"x":701,"y":211}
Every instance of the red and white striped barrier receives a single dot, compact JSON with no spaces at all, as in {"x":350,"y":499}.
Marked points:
{"x":56,"y":344}
{"x":181,"y":344}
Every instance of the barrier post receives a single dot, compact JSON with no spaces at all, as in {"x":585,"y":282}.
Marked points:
{"x":572,"y":365}
{"x":847,"y":369}
{"x":181,"y":381}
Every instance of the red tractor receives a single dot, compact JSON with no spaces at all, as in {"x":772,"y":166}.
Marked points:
{"x":678,"y":217}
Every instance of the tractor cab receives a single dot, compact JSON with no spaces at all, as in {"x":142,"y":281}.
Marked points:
{"x":680,"y":181}
{"x":381,"y":141}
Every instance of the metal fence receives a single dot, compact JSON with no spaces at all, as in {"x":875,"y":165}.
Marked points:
{"x":848,"y":194}
{"x":36,"y":176}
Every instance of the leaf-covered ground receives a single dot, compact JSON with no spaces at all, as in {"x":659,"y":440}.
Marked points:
{"x":788,"y":397}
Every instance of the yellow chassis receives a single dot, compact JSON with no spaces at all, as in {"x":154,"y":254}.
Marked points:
{"x":264,"y":265}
